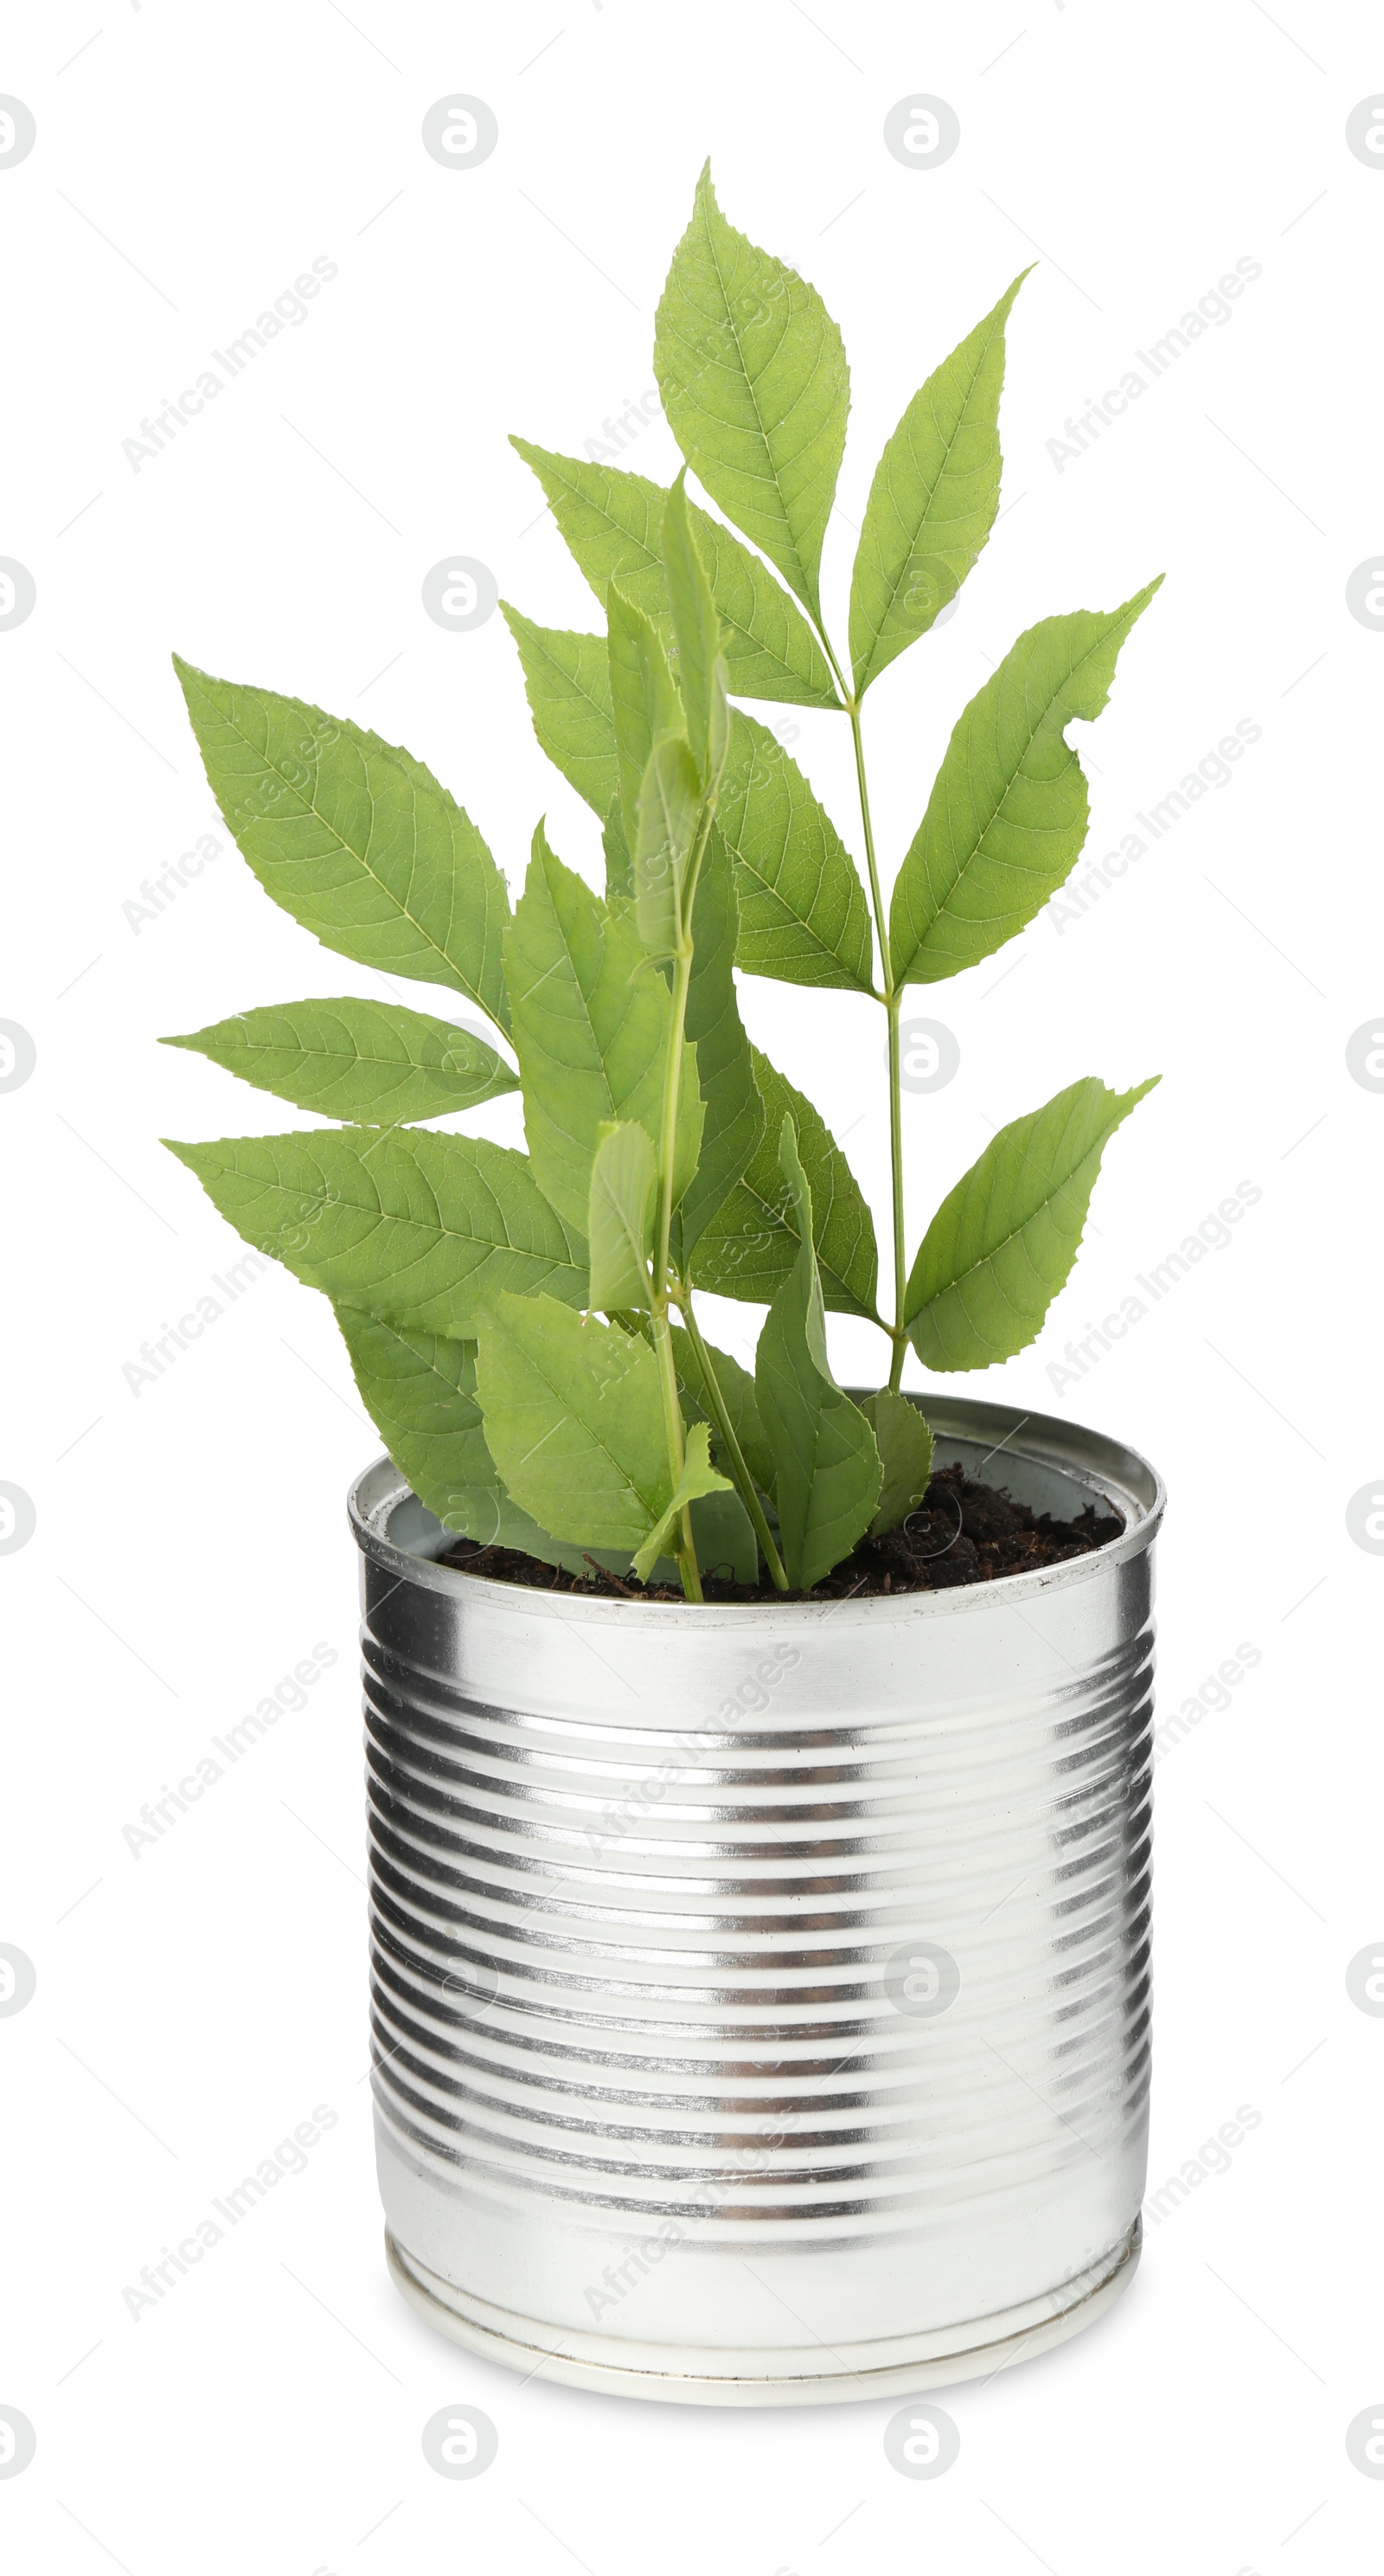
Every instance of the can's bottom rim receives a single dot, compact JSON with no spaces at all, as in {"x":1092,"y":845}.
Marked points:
{"x":590,"y":2361}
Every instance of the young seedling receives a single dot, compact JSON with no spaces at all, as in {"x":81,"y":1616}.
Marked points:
{"x":523,"y":1327}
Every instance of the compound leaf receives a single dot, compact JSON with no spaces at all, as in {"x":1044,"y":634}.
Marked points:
{"x":904,"y":1443}
{"x":573,"y":1417}
{"x":644,"y":697}
{"x":698,"y":1477}
{"x":751,"y":1244}
{"x":612,"y":521}
{"x":620,"y":1220}
{"x":422,"y":1227}
{"x":1003,"y":1241}
{"x":827,"y":1468}
{"x":803,"y":915}
{"x":420,"y":1392}
{"x":932,"y":503}
{"x":755,"y":385}
{"x":669,"y":805}
{"x":354,"y":838}
{"x":567,"y":684}
{"x":733,"y":1123}
{"x":371,"y":1063}
{"x":701,"y":669}
{"x":1008,"y":811}
{"x":590,"y":1032}
{"x":738,"y":1396}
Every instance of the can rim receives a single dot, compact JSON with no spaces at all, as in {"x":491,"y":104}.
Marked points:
{"x":1107,"y":1467}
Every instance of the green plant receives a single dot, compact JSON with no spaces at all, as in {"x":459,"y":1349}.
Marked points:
{"x":510,"y":1318}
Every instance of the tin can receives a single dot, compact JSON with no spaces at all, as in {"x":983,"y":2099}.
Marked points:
{"x":761,"y":1992}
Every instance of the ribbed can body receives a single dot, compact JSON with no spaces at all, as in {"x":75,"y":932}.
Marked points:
{"x":761,"y":1995}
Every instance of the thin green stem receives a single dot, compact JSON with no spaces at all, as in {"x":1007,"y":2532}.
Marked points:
{"x":730,"y":1443}
{"x":891,"y":998}
{"x":876,"y":898}
{"x":663,"y":1226}
{"x":672,"y":1423}
{"x":896,"y":1161}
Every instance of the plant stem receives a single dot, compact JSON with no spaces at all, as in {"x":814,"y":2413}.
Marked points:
{"x":892,"y":999}
{"x":663,"y":1229}
{"x":731,"y":1445}
{"x":900,"y":1338}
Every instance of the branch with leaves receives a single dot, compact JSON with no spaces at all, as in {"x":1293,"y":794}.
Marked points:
{"x":522,"y":1327}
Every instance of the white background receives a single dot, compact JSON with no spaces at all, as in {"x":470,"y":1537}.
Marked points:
{"x":196,"y":2001}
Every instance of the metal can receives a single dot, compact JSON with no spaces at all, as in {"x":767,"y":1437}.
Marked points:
{"x":761,"y":1992}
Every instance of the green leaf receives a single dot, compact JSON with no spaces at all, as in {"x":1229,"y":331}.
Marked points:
{"x":591,"y":1032}
{"x":613,"y":523}
{"x":1008,"y":813}
{"x":738,"y":1396}
{"x":701,"y":672}
{"x":574,"y":1421}
{"x":422,"y":1227}
{"x":355,"y":839}
{"x":669,"y":806}
{"x":904,"y":1443}
{"x":828,"y":1471}
{"x":367,"y":1062}
{"x":420,"y":1392}
{"x":644,"y":698}
{"x":733,"y":1123}
{"x":755,"y":385}
{"x":1003,"y":1241}
{"x":619,"y":864}
{"x":567,"y":683}
{"x":698,"y":1477}
{"x":932,"y":503}
{"x":723,"y":1533}
{"x":803,"y":914}
{"x":620,"y":1222}
{"x":750,"y":1247}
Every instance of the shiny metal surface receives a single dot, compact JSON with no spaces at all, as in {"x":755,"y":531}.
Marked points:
{"x":761,"y":1995}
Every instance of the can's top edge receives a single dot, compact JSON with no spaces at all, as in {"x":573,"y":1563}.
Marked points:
{"x":1107,"y":1468}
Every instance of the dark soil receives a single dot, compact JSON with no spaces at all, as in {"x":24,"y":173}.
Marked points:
{"x":963,"y":1532}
